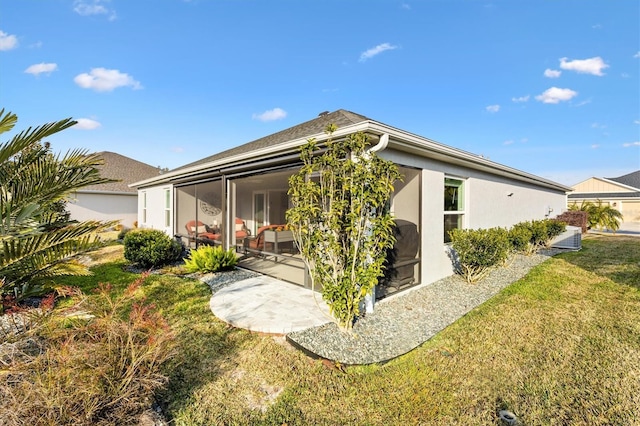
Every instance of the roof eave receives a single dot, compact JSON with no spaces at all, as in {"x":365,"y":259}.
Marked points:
{"x":400,"y":139}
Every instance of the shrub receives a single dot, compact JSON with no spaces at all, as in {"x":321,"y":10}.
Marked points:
{"x":478,"y":250}
{"x":150,"y":248}
{"x":555,"y":228}
{"x":97,"y":367}
{"x":574,"y":218}
{"x":540,"y":233}
{"x":520,"y":238}
{"x":210,"y":259}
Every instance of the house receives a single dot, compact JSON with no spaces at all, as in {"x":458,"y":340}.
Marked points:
{"x":622,"y":193}
{"x":244,"y":190}
{"x":113,"y":200}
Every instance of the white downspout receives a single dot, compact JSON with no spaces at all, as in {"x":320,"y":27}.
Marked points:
{"x":381,"y":145}
{"x":370,"y":298}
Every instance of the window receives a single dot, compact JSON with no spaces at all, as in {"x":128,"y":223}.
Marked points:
{"x":454,"y":208}
{"x":144,"y":207}
{"x":167,"y":208}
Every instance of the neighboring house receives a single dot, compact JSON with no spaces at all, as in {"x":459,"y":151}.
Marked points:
{"x":622,"y":193}
{"x":214,"y":199}
{"x":115,"y":200}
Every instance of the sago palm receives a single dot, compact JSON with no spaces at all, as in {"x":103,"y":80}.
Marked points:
{"x":600,"y":215}
{"x":32,"y":180}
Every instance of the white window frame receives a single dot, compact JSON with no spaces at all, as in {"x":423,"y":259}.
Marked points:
{"x":167,"y":207}
{"x":144,"y":207}
{"x":462,"y":200}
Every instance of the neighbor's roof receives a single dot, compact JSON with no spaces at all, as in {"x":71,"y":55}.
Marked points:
{"x":124,"y":169}
{"x":631,"y":179}
{"x":340,"y":118}
{"x":286,"y":143}
{"x":603,"y":195}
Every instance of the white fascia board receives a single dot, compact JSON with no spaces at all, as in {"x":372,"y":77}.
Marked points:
{"x":94,"y":191}
{"x":253,"y":155}
{"x":400,"y":139}
{"x":430,"y":148}
{"x":622,"y":185}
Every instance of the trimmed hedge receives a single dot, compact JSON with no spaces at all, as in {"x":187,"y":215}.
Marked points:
{"x":575,"y":218}
{"x":478,"y":250}
{"x":150,"y":248}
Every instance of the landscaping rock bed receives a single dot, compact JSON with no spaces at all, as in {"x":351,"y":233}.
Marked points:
{"x":405,"y":321}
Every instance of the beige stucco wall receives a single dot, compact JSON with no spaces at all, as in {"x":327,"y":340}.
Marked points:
{"x":104,"y":207}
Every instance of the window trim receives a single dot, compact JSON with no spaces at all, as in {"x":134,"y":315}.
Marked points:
{"x":462,"y":199}
{"x":144,"y":207}
{"x":167,"y":207}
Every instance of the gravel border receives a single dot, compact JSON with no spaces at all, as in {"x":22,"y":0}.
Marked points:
{"x":404,"y":322}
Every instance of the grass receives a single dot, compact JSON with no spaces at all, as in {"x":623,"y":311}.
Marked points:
{"x":560,"y":346}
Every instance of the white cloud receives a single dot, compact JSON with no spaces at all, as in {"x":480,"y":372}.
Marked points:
{"x":37,"y":69}
{"x":597,"y":26}
{"x":36,"y":45}
{"x":552,"y":73}
{"x":595,"y":146}
{"x":592,"y":66}
{"x":637,"y":55}
{"x":104,"y":80}
{"x":521,"y":99}
{"x":598,"y":126}
{"x":627,"y":145}
{"x":636,"y":121}
{"x":555,"y":95}
{"x":270,"y":115}
{"x":8,"y":41}
{"x":177,"y":149}
{"x":406,"y":6}
{"x":94,"y":7}
{"x":86,"y":124}
{"x":370,"y":53}
{"x":493,"y":108}
{"x":508,"y":142}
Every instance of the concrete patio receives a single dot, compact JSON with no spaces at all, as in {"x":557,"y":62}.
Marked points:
{"x":268,"y":305}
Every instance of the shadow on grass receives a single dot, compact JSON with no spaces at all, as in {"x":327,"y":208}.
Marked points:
{"x":615,"y":257}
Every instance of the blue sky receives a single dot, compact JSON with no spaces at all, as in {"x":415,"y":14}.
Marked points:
{"x":548,"y":87}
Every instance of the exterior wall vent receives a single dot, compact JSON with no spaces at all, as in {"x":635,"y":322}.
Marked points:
{"x":570,"y":239}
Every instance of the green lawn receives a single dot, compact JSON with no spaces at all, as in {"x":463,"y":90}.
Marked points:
{"x":561,"y":346}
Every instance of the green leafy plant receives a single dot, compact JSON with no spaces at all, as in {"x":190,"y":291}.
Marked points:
{"x":599,"y":215}
{"x":520,"y":238}
{"x":36,"y":236}
{"x":98,"y":362}
{"x":150,"y":248}
{"x":476,"y":251}
{"x":210,"y":259}
{"x":528,"y":237}
{"x":554,"y":228}
{"x":340,"y":220}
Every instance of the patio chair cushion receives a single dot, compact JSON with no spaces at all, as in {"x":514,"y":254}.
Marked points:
{"x":257,"y":242}
{"x":197,"y":229}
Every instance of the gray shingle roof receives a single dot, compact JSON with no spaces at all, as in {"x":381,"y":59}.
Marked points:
{"x":125,"y":169}
{"x":340,"y":118}
{"x":631,"y":179}
{"x":603,"y":195}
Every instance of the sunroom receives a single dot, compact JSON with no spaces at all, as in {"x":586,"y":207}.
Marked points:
{"x":247,"y":212}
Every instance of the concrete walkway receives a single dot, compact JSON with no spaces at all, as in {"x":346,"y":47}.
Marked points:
{"x":267,"y":305}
